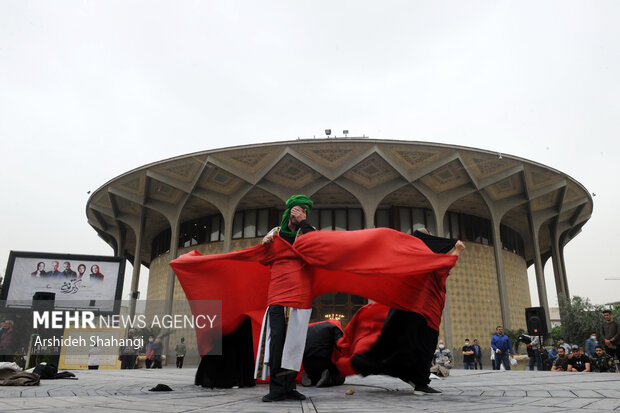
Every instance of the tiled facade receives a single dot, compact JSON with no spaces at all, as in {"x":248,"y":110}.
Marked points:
{"x":473,"y":298}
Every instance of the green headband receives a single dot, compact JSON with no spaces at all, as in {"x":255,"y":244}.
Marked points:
{"x":301,"y":200}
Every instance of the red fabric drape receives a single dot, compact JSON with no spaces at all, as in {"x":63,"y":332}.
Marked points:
{"x":361,"y":333}
{"x":387,"y":266}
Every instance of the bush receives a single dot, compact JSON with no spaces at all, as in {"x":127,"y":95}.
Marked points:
{"x":579,"y":318}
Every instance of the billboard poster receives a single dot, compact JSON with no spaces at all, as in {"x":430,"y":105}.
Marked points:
{"x":85,"y":282}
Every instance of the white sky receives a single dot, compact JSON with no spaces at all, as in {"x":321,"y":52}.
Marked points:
{"x":92,"y":89}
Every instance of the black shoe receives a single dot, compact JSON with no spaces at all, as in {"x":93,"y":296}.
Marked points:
{"x":325,"y":379}
{"x":273,"y":397}
{"x":426,"y":389}
{"x":295,"y":395}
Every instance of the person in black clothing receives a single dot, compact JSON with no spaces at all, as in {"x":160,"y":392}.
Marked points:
{"x":67,"y":271}
{"x":235,"y":366}
{"x":406,"y":344}
{"x":468,"y":355}
{"x":579,"y":362}
{"x":560,"y":363}
{"x":477,"y":355}
{"x":320,"y":344}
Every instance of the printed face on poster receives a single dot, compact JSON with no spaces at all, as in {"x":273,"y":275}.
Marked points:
{"x":77,"y":281}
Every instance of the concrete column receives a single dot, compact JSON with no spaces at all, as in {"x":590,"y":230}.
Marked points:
{"x":120,"y":241}
{"x":174,"y":250}
{"x":501,"y":273}
{"x":228,"y":229}
{"x":560,"y":287}
{"x":446,"y":319}
{"x":369,"y":215}
{"x":563,"y":265}
{"x":137,"y":263}
{"x":540,"y":274}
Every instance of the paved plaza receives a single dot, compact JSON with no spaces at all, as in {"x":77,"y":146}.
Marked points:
{"x":479,"y":391}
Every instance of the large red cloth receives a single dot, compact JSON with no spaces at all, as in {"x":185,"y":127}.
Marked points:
{"x":361,"y":333}
{"x":382,"y":264}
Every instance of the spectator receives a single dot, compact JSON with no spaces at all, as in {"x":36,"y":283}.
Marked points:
{"x":148,"y":359}
{"x":128,"y":354}
{"x":502,"y":347}
{"x":442,"y":360}
{"x":566,"y":346}
{"x":591,"y":344}
{"x":553,"y":353}
{"x":477,"y":355}
{"x":560,"y":363}
{"x":602,"y":362}
{"x":579,"y":362}
{"x":468,"y":356}
{"x":533,"y":351}
{"x":158,"y":349}
{"x":611,"y":334}
{"x":180,"y":351}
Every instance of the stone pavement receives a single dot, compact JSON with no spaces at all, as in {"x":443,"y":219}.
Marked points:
{"x":479,"y":391}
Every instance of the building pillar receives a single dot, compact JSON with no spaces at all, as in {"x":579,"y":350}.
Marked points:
{"x":560,"y":287}
{"x":120,"y":244}
{"x":228,"y":229}
{"x":501,"y":273}
{"x":369,"y":215}
{"x":174,"y":251}
{"x":562,"y":263}
{"x":137,"y":263}
{"x":540,"y":274}
{"x":445,"y":317}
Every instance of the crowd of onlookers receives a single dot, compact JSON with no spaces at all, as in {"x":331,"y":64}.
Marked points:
{"x":594,"y":356}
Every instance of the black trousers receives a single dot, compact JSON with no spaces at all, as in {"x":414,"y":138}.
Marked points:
{"x":180,"y":362}
{"x":235,"y":366}
{"x":281,"y":380}
{"x":404,"y":349}
{"x":128,"y":362}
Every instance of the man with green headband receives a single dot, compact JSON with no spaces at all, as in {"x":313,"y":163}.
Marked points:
{"x":289,"y":307}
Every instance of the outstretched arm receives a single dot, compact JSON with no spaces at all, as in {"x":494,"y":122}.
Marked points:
{"x":459,"y":247}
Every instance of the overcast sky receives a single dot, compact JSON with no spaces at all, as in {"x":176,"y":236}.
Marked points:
{"x":92,"y":89}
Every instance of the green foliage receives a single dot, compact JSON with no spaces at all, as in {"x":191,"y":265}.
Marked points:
{"x":579,"y":318}
{"x":513,"y":335}
{"x":556,"y":333}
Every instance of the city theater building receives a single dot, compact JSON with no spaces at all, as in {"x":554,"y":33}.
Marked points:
{"x":510,"y":212}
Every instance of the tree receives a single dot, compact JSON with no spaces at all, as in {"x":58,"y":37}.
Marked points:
{"x":513,"y":336}
{"x":556,"y":333}
{"x":579,"y":318}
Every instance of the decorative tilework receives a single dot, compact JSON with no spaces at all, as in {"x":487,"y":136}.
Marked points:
{"x":473,"y":294}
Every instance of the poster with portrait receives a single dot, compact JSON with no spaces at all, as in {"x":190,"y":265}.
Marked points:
{"x":81,"y":282}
